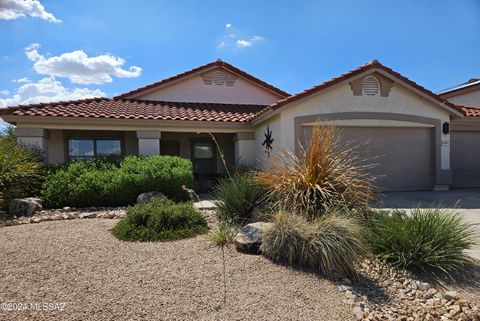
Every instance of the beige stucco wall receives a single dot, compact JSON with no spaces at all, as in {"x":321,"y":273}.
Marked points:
{"x":467,"y":99}
{"x":274,"y":125}
{"x":56,"y":147}
{"x":341,"y":99}
{"x":194,"y":90}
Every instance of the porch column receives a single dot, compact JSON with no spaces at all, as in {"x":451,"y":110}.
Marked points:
{"x":148,"y":142}
{"x":245,"y":148}
{"x":36,"y":138}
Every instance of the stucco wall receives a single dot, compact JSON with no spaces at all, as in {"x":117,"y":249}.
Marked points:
{"x":56,"y":147}
{"x":468,"y":99}
{"x":194,"y":90}
{"x":341,"y":99}
{"x":274,"y":125}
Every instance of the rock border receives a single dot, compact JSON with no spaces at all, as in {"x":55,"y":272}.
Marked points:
{"x":401,"y":297}
{"x":69,"y":213}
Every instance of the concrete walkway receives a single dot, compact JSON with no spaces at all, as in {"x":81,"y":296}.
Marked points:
{"x":467,"y":201}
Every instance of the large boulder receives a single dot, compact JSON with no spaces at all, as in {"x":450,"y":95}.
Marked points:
{"x":250,"y":237}
{"x":24,"y":206}
{"x":147,"y":197}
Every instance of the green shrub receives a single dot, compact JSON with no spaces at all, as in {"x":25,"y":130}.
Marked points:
{"x":328,"y":174}
{"x":331,"y":243}
{"x":426,"y":240}
{"x":236,"y":197}
{"x":20,"y":168}
{"x":160,"y":221}
{"x":88,"y":183}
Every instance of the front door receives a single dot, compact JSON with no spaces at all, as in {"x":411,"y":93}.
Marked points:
{"x":203,"y":158}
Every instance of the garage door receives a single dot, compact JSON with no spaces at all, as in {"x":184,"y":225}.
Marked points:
{"x":465,"y":158}
{"x":404,"y":155}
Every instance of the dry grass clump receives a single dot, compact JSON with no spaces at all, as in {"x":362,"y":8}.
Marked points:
{"x":330,"y":244}
{"x":328,"y":173}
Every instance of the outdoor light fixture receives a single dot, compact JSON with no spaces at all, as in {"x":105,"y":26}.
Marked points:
{"x":446,"y":128}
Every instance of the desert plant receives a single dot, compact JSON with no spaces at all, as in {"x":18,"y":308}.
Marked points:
{"x":20,"y":166}
{"x":221,"y":237}
{"x":160,"y":220}
{"x":429,"y":240}
{"x":328,"y":173}
{"x":236,"y":197}
{"x":332,"y":243}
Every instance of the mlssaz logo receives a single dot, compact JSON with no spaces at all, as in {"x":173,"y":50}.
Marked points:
{"x":268,"y":141}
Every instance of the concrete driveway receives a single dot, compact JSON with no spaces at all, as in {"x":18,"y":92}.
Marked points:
{"x":467,"y":201}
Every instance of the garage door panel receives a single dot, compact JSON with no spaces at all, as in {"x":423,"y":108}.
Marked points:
{"x":404,"y":155}
{"x":465,"y":158}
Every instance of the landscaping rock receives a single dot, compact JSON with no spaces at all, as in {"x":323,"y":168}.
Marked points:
{"x":358,"y":312}
{"x":67,"y":209}
{"x":24,"y":206}
{"x":88,"y":215}
{"x":400,"y":297}
{"x":147,"y":197}
{"x":250,"y":237}
{"x":451,"y":295}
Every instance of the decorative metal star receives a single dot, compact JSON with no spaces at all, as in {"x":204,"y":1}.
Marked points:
{"x":268,"y":141}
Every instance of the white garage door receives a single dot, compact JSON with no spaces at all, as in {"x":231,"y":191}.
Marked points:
{"x":465,"y":158}
{"x":404,"y":155}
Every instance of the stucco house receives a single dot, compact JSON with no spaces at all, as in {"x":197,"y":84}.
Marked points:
{"x":421,"y":140}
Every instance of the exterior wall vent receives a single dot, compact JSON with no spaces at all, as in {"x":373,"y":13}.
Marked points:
{"x":371,"y":86}
{"x":219,"y":78}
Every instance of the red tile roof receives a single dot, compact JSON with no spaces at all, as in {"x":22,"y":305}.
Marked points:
{"x":139,"y":109}
{"x":470,"y":111}
{"x":371,"y":65}
{"x":218,"y":63}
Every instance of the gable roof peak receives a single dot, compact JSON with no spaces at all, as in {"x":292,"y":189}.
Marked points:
{"x":219,"y":63}
{"x":356,"y":72}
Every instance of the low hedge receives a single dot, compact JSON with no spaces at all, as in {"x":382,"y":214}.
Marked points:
{"x":89,"y":183}
{"x":160,"y":220}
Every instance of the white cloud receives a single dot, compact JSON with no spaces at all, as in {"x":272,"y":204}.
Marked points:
{"x":243,"y":43}
{"x":3,"y":125}
{"x":20,"y":80}
{"x":235,"y":39}
{"x":46,"y":90}
{"x":79,"y":67}
{"x":5,"y":92}
{"x":15,"y":9}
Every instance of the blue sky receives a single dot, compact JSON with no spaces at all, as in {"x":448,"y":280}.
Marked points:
{"x":71,"y":49}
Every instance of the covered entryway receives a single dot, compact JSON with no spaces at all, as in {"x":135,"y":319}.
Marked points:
{"x":465,"y":158}
{"x":404,"y":155}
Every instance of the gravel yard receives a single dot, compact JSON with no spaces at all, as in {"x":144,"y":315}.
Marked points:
{"x":79,"y":263}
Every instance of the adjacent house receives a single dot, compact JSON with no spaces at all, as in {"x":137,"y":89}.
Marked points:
{"x":421,"y":140}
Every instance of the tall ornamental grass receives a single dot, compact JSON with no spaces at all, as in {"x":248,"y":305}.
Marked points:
{"x":236,"y":197}
{"x":328,"y":173}
{"x":330,"y":244}
{"x":425,"y":240}
{"x":20,"y":167}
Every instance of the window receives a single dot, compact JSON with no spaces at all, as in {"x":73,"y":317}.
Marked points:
{"x":202,"y":150}
{"x":370,"y":86}
{"x":94,"y":148}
